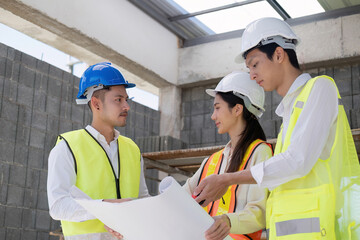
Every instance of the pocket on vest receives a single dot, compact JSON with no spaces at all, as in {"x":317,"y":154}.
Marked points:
{"x":302,"y":214}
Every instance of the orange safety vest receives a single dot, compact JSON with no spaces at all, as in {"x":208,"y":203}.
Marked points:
{"x":227,"y":204}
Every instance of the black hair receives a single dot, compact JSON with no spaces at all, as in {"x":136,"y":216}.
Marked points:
{"x":252,"y":131}
{"x":99,"y":94}
{"x":269,"y":50}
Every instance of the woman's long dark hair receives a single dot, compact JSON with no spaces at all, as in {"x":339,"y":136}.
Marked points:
{"x":252,"y":131}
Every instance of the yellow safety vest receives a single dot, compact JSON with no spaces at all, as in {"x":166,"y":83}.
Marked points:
{"x":324,"y":204}
{"x":227,"y":204}
{"x":95,"y":175}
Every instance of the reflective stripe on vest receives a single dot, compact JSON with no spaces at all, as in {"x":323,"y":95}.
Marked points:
{"x":227,"y":204}
{"x":317,"y":205}
{"x":95,"y":175}
{"x":304,"y":225}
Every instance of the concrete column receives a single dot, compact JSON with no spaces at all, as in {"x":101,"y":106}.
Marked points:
{"x":169,"y":106}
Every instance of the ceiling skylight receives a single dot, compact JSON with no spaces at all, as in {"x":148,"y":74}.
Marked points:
{"x":235,"y":18}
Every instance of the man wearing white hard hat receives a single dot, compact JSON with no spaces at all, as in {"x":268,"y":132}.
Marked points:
{"x":90,"y":158}
{"x":238,"y":103}
{"x":314,"y":176}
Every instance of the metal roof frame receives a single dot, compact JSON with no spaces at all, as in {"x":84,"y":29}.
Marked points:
{"x":182,"y":24}
{"x":193,"y":32}
{"x":291,"y":21}
{"x":188,"y":15}
{"x":279,"y":9}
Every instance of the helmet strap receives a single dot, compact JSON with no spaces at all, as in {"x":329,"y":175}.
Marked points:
{"x":249,"y":106}
{"x":88,"y":94}
{"x":283,"y":42}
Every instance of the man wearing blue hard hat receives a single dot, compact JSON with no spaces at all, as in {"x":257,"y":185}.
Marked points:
{"x":90,"y":158}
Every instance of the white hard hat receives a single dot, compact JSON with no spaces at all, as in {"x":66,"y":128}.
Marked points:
{"x":240,"y":84}
{"x":267,"y":30}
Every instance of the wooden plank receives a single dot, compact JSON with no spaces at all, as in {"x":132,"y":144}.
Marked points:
{"x":182,"y":153}
{"x":164,"y":167}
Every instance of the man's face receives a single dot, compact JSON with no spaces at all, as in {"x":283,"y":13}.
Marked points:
{"x":262,"y":69}
{"x":114,"y":109}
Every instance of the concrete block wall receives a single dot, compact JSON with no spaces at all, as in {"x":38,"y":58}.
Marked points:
{"x":141,"y":122}
{"x":198,"y":130}
{"x":36,"y":104}
{"x":159,"y":143}
{"x":155,"y":144}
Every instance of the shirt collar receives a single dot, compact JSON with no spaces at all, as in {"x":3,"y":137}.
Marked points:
{"x":227,"y":149}
{"x":98,"y":136}
{"x":300,"y":81}
{"x":228,"y":145}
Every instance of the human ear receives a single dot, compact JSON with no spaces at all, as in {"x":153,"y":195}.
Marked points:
{"x":279,"y":55}
{"x":238,"y":109}
{"x":95,"y":103}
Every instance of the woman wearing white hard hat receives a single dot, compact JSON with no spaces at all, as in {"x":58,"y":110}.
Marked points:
{"x":238,"y":102}
{"x":314,"y":176}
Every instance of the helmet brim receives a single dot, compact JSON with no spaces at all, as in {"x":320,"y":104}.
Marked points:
{"x":211,"y":92}
{"x":129,"y":85}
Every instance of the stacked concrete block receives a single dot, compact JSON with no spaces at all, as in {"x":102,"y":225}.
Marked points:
{"x":348,"y":82}
{"x":198,"y":130}
{"x":268,"y":119}
{"x":197,"y":123}
{"x":355,"y":111}
{"x":28,"y":120}
{"x":148,"y":144}
{"x":159,"y":143}
{"x":141,"y":121}
{"x":156,"y":144}
{"x":152,"y":181}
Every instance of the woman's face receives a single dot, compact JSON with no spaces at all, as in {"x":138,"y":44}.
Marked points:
{"x":224,"y":117}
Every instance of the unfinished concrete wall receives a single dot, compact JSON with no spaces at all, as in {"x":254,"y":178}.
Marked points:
{"x":36,"y":104}
{"x":198,"y":130}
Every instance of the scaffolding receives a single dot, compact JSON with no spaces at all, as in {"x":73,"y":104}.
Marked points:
{"x":187,"y":161}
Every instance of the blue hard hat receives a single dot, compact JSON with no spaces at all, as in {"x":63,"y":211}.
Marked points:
{"x":101,"y":73}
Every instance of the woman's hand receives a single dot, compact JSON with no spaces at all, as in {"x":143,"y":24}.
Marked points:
{"x":220,"y":228}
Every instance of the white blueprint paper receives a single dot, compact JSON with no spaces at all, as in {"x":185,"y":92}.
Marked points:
{"x":173,"y":214}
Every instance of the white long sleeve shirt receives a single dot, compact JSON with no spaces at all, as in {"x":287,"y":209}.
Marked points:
{"x":61,"y":176}
{"x":311,"y":138}
{"x":249,"y":215}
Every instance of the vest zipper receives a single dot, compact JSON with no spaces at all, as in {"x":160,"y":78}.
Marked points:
{"x":118,"y":178}
{"x":118,"y":188}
